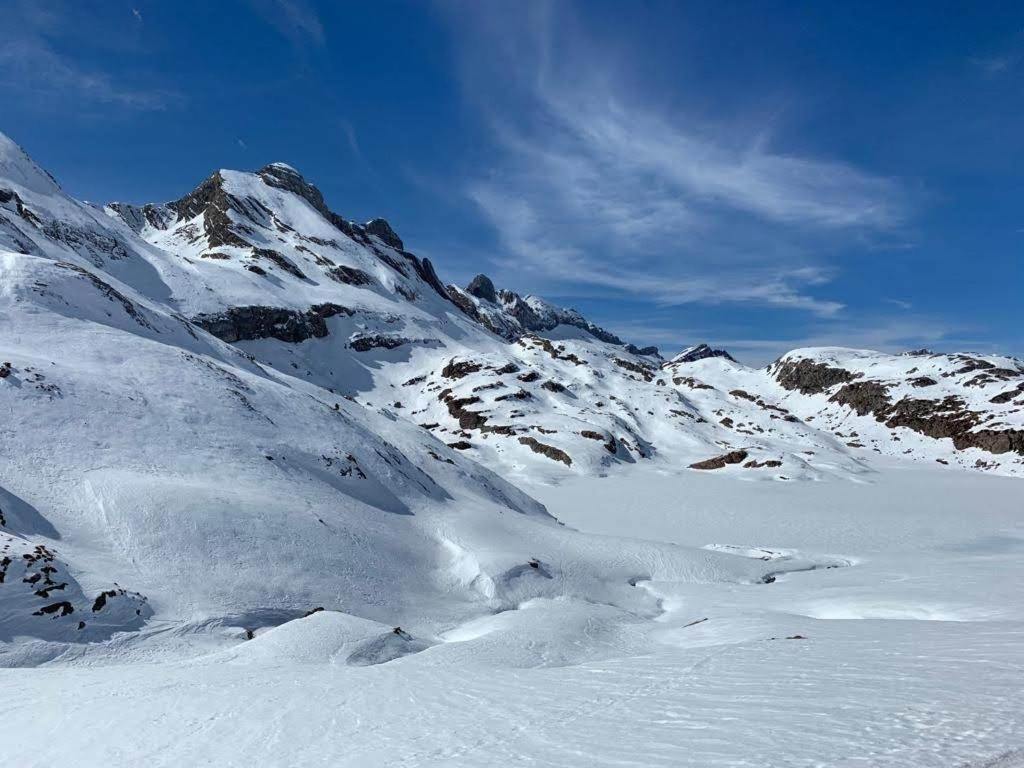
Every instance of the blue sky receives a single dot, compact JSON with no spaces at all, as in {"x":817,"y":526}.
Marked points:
{"x":756,"y":175}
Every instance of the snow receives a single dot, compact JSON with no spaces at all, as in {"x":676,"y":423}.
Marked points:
{"x":911,"y":654}
{"x":267,"y":553}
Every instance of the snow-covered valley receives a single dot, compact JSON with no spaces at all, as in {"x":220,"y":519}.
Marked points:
{"x":273,"y":493}
{"x":908,"y":655}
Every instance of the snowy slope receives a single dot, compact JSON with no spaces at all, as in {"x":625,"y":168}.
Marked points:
{"x":261,"y":501}
{"x":147,"y":460}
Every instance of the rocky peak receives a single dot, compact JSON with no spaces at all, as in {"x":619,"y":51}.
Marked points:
{"x":482,"y":287}
{"x":380,"y":228}
{"x":699,"y":352}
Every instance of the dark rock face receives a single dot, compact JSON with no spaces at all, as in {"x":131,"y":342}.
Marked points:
{"x":769,"y":463}
{"x":255,"y":322}
{"x":381,"y":229}
{"x":520,"y":317}
{"x":366,"y":342}
{"x":641,"y":370}
{"x":718,"y":462}
{"x":609,"y":442}
{"x":650,"y":351}
{"x":863,"y":396}
{"x":458,"y":369}
{"x":547,"y":450}
{"x":1005,"y":397}
{"x":809,"y":377}
{"x":468,"y":308}
{"x":934,"y":418}
{"x":700,"y":352}
{"x":279,"y":260}
{"x":212,"y":200}
{"x":349,"y":275}
{"x":939,"y":419}
{"x":923,"y":381}
{"x":482,"y":287}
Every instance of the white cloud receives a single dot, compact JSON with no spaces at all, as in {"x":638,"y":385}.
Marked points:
{"x":34,"y":68}
{"x":594,"y":185}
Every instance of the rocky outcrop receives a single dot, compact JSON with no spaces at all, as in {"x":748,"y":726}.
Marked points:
{"x":349,"y":275}
{"x":482,"y":287}
{"x":809,"y":377}
{"x":863,"y":396}
{"x":699,"y":352}
{"x":458,"y":369}
{"x":380,"y":229}
{"x":546,"y":450}
{"x":510,"y":315}
{"x":650,"y":351}
{"x":256,"y":322}
{"x":364,"y":342}
{"x":718,"y":462}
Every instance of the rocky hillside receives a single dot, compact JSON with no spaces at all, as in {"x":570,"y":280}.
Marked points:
{"x":267,"y":405}
{"x":261,"y":262}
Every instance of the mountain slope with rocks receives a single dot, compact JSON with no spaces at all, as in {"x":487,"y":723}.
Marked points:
{"x":265,"y":472}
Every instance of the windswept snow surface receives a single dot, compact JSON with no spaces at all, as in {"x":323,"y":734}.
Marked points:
{"x":901,"y":596}
{"x":270,"y":494}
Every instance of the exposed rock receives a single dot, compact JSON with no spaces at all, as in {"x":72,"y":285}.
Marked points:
{"x":552,"y":386}
{"x":636,"y":368}
{"x":349,"y":275}
{"x":699,"y":352}
{"x":690,"y":382}
{"x":460,"y":369}
{"x":256,"y":322}
{"x":1005,"y":397}
{"x":809,"y":377}
{"x":863,"y":396}
{"x":364,"y":342}
{"x":519,"y":394}
{"x":923,"y":381}
{"x":482,"y":287}
{"x":381,"y":229}
{"x":949,"y":418}
{"x":754,"y":464}
{"x":547,"y":450}
{"x":280,"y":260}
{"x":650,"y":351}
{"x":718,"y":462}
{"x":609,"y":442}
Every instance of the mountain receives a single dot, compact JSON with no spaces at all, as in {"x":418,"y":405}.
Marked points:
{"x":240,"y":405}
{"x":511,"y":316}
{"x":270,"y":493}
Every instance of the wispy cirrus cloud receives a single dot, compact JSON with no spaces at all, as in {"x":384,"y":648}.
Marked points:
{"x":296,"y":20}
{"x":35,"y":69}
{"x":593,"y":185}
{"x":42,"y":61}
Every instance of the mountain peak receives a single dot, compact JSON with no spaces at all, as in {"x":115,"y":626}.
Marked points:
{"x":381,"y":229}
{"x":17,"y":167}
{"x":699,"y":352}
{"x":482,"y":287}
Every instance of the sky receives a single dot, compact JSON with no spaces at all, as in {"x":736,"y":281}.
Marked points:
{"x":759,"y":176}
